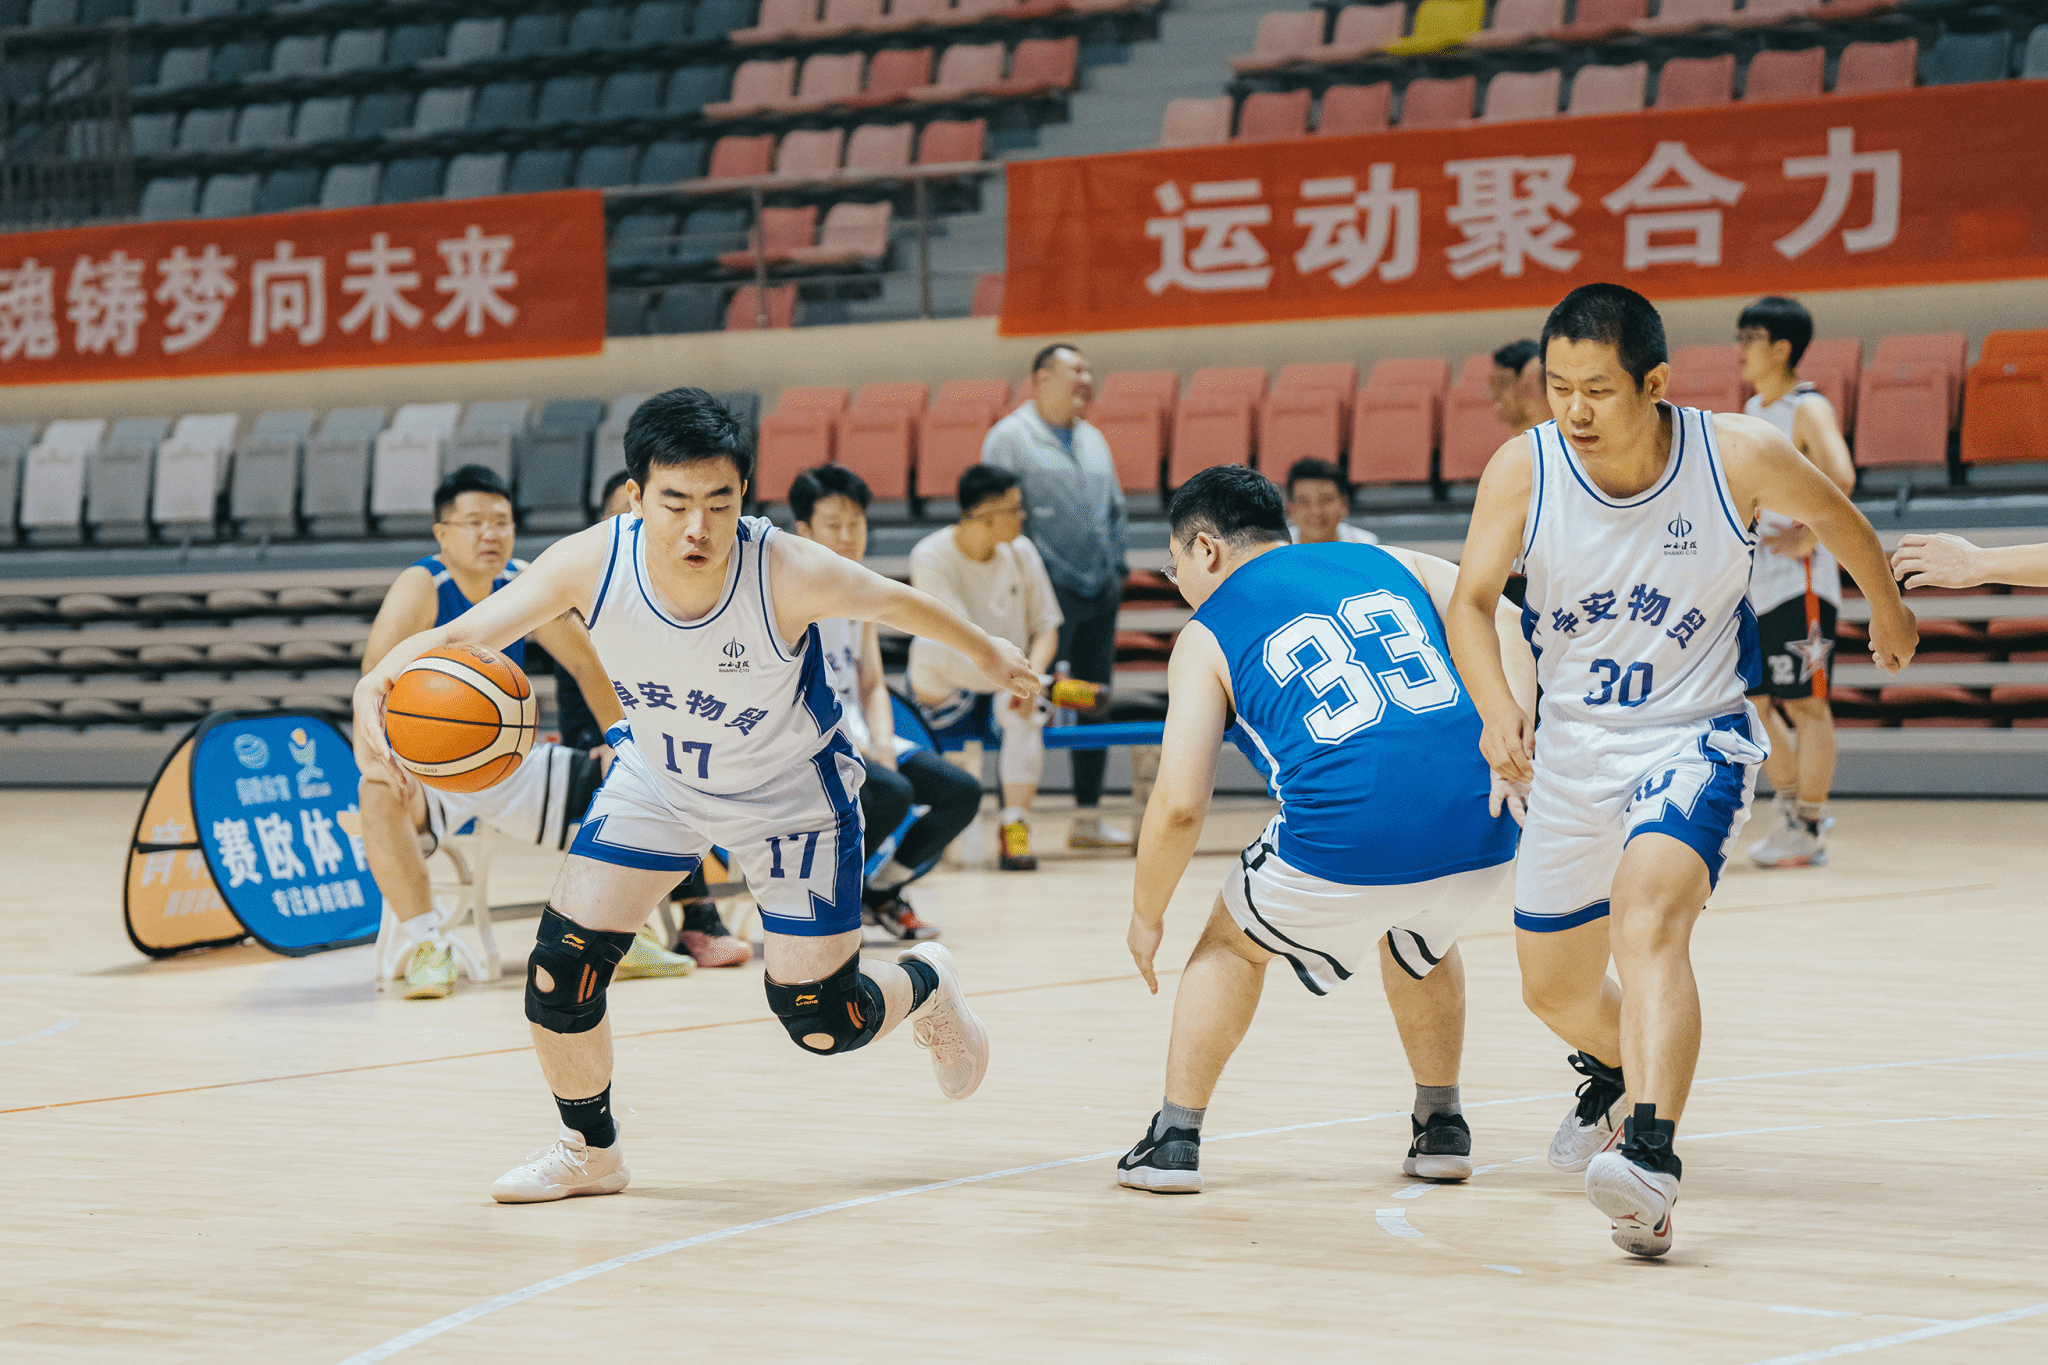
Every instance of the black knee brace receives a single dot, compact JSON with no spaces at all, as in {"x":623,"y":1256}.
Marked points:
{"x":579,"y":962}
{"x":843,"y":1010}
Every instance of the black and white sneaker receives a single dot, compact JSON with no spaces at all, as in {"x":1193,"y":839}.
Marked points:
{"x":1442,"y":1149}
{"x":1168,"y":1164}
{"x":1636,"y":1183}
{"x":1589,"y":1126}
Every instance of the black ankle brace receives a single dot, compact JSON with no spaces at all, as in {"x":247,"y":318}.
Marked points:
{"x":1647,"y":1140}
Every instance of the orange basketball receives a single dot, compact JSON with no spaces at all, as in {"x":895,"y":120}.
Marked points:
{"x":461,"y":718}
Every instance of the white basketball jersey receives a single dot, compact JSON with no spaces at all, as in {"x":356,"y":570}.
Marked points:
{"x":841,"y":640}
{"x":1776,"y":579}
{"x":719,"y":705}
{"x":1639,"y":609}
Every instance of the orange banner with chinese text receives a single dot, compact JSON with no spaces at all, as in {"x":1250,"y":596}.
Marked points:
{"x":1911,"y":187}
{"x":510,"y":277}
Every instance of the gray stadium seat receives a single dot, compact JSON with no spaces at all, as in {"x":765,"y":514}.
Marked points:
{"x":263,"y":497}
{"x":232,"y":61}
{"x":592,"y":28}
{"x":15,"y":440}
{"x":539,"y":168}
{"x":625,"y":313}
{"x":228,"y":196}
{"x":536,"y":34}
{"x":168,"y":198}
{"x":646,"y":236}
{"x":52,"y":13}
{"x":1961,"y":58}
{"x":53,"y":481}
{"x":690,"y":88}
{"x":566,"y":99}
{"x":410,"y":179}
{"x":117,"y":479}
{"x":208,"y":9}
{"x":158,"y":11}
{"x":206,"y":130}
{"x":191,"y":471}
{"x":442,"y":109}
{"x":322,"y":120}
{"x":183,"y":66}
{"x":298,"y":54}
{"x":295,"y":187}
{"x":407,"y":460}
{"x":381,"y":111}
{"x":554,"y":464}
{"x":336,"y":490}
{"x":630,"y":93}
{"x":102,"y":11}
{"x":474,"y":175}
{"x":349,"y":187}
{"x":658,"y":22}
{"x":472,"y":40}
{"x":610,"y":454}
{"x":745,"y":406}
{"x":2034,"y":66}
{"x":153,"y":134}
{"x":263,"y":125}
{"x":670,"y":160}
{"x":716,"y":18}
{"x":487,"y":436}
{"x":606,"y":165}
{"x":706,"y":233}
{"x":503,"y":104}
{"x":687,"y":308}
{"x":412,"y":44}
{"x":356,"y":49}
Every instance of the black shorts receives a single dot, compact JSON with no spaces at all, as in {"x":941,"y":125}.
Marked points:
{"x":1799,"y":649}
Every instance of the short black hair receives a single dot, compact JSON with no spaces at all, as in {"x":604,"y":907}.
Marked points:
{"x":813,"y":486}
{"x":1516,"y":355}
{"x":1315,"y":469}
{"x":1784,"y":319}
{"x":685,"y":426}
{"x":1236,"y":505}
{"x":1612,"y":316}
{"x":980,"y":483}
{"x":471,"y":478}
{"x":1045,"y":354}
{"x":613,"y":485}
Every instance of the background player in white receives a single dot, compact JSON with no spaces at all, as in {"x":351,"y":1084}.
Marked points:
{"x":474,"y":529}
{"x":1325,"y":663}
{"x":1318,"y":497}
{"x":1631,"y":519}
{"x":1795,"y":588}
{"x":705,"y":622}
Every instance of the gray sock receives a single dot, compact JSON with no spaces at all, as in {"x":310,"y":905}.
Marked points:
{"x":1172,"y":1115}
{"x":1435,"y":1099}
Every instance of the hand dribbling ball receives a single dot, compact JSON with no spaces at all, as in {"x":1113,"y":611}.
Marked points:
{"x":461,"y":718}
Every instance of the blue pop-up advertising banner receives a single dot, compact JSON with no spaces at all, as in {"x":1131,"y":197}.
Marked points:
{"x":274,"y":798}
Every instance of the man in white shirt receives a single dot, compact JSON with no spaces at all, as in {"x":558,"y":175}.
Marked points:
{"x":1318,"y":496}
{"x":985,"y":569}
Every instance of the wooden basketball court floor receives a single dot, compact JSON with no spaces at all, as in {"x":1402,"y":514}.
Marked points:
{"x":245,"y":1158}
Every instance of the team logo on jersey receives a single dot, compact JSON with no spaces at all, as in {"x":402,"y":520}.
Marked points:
{"x":735,"y":657}
{"x":1680,"y":532}
{"x":252,"y":751}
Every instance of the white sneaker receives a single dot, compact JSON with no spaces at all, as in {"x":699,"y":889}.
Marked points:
{"x":568,"y":1168}
{"x":1590,"y":1126}
{"x":1637,"y":1199}
{"x":948,"y":1028}
{"x":1793,"y":844}
{"x":1092,"y":831}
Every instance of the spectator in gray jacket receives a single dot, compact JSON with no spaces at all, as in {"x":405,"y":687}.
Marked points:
{"x":1074,"y":506}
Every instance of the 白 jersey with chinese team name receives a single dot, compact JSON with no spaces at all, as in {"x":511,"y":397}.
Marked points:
{"x":1776,"y":579}
{"x":719,"y":705}
{"x":1638,"y":608}
{"x":449,"y":602}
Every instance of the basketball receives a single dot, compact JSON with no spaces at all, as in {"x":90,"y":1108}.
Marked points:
{"x":461,"y":718}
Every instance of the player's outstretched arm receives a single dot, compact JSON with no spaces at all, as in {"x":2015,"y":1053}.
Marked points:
{"x":811,"y":583}
{"x":1196,"y":716}
{"x":561,"y":580}
{"x":1494,"y":539}
{"x":1766,"y":470}
{"x":1949,"y":561}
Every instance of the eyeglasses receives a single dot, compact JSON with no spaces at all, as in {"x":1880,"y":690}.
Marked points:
{"x":1171,"y":573}
{"x":501,"y":527}
{"x":1749,"y":334}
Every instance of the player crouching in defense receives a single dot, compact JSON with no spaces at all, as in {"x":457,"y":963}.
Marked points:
{"x":1632,"y":519}
{"x":706,"y":623}
{"x":1331,"y":658}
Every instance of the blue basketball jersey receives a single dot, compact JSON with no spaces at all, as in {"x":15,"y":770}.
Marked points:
{"x":449,"y":602}
{"x":1347,"y":701}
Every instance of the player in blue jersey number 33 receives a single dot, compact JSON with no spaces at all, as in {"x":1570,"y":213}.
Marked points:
{"x":1633,"y":520}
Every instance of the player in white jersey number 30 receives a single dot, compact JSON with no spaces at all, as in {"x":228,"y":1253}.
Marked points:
{"x":706,"y":622}
{"x":1632,"y":519}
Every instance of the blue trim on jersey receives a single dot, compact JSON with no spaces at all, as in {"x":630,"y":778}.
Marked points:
{"x":449,"y":603}
{"x":814,"y":690}
{"x":1749,"y":660}
{"x":1671,"y":467}
{"x":1552,"y":924}
{"x":1536,"y":475}
{"x":611,"y":562}
{"x":774,"y":631}
{"x":640,"y":577}
{"x":591,"y":843}
{"x":1721,"y":491}
{"x":1705,"y":827}
{"x":842,"y":913}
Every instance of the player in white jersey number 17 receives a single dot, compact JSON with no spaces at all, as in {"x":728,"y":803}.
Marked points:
{"x":706,"y":622}
{"x":1632,"y":520}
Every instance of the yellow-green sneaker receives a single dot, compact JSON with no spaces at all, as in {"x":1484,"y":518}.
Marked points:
{"x":430,"y":974}
{"x":648,"y":958}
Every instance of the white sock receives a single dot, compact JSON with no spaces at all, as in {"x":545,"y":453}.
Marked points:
{"x":890,"y":874}
{"x":1012,"y":814}
{"x":422,"y":928}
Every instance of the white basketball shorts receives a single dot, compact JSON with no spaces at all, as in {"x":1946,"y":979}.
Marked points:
{"x":1597,"y":787}
{"x":1330,"y":931}
{"x":532,"y":804}
{"x":796,"y":838}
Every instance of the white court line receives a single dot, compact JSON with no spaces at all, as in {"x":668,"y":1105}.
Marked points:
{"x":1416,"y":1191}
{"x":1506,"y":1269}
{"x":1396,"y":1222}
{"x":1901,"y":1338}
{"x":387,"y":1349}
{"x":55,"y":1028}
{"x":1838,"y":1313}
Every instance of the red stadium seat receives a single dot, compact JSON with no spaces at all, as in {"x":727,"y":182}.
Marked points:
{"x":1270,"y":115}
{"x":1767,"y":13}
{"x":1307,"y":414}
{"x":988,"y":295}
{"x":798,"y":434}
{"x":1609,"y":89}
{"x":1775,"y":75}
{"x":1042,"y":65}
{"x":951,"y":141}
{"x":1429,"y":102}
{"x":1472,"y":429}
{"x":853,"y":235}
{"x":1285,"y":37}
{"x":1835,"y":368}
{"x":1683,"y":16}
{"x":1908,"y":400}
{"x":1708,"y":377}
{"x":1192,"y":122}
{"x":1160,"y":388}
{"x":736,"y":158}
{"x":907,"y":14}
{"x":1867,"y":68}
{"x":1519,"y":21}
{"x":779,"y":19}
{"x":894,"y":73}
{"x":990,"y":393}
{"x":951,"y":432}
{"x":877,"y":438}
{"x":1356,"y":109}
{"x":1396,"y":420}
{"x":749,"y":304}
{"x":850,"y":16}
{"x":1210,"y":427}
{"x":964,"y":69}
{"x":1602,"y":19}
{"x":1249,"y":380}
{"x":781,"y":233}
{"x":828,"y":79}
{"x":1696,"y":82}
{"x":2005,"y":415}
{"x":758,"y":86}
{"x":1515,"y":95}
{"x":1362,"y":30}
{"x":1133,"y":410}
{"x":810,"y":151}
{"x":880,"y":147}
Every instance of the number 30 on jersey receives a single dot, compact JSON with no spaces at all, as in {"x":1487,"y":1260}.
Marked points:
{"x":1322,"y":652}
